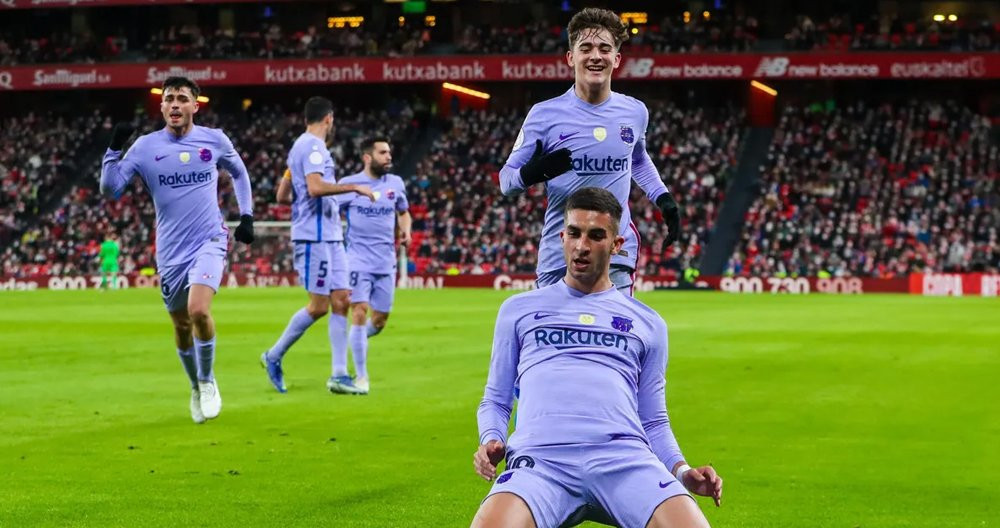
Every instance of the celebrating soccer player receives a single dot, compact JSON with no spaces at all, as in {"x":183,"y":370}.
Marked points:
{"x":371,"y":250}
{"x":588,"y":137}
{"x":320,"y":258}
{"x":178,"y":165}
{"x":592,"y":430}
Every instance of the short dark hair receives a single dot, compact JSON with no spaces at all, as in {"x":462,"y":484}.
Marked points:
{"x":368,"y":145}
{"x":597,"y":18}
{"x":181,"y":82}
{"x":317,"y":108}
{"x":599,"y":200}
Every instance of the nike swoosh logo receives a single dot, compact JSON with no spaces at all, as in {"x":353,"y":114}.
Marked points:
{"x":563,"y":137}
{"x":662,"y":485}
{"x":158,"y":158}
{"x":539,"y":315}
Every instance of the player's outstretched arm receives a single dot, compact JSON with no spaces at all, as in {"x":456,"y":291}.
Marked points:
{"x":405,"y":228}
{"x":648,"y":178}
{"x":117,"y":171}
{"x":233,"y":163}
{"x":655,"y":421}
{"x":498,"y":398}
{"x":316,"y":187}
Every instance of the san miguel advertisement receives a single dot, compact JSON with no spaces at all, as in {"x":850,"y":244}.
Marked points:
{"x":953,"y":284}
{"x":504,"y":68}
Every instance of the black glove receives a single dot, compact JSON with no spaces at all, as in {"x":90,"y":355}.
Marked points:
{"x":120,"y":135}
{"x":544,"y":167}
{"x":671,"y":217}
{"x":244,"y":231}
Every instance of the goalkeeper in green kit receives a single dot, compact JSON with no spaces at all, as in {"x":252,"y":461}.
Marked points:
{"x":109,"y":262}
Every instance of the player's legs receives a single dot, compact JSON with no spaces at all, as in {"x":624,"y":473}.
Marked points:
{"x":623,"y":278}
{"x":676,"y":512}
{"x":548,"y":278}
{"x":173,"y":286}
{"x":540,"y":486}
{"x":503,"y":510}
{"x":358,"y":339}
{"x":631,"y":484}
{"x":383,"y":293}
{"x":204,"y":277}
{"x":340,"y":301}
{"x":312,"y":264}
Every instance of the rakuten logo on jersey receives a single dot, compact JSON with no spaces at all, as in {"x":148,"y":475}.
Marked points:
{"x":972,"y":67}
{"x":185,"y":179}
{"x":588,"y":166}
{"x":62,"y":77}
{"x":155,"y":75}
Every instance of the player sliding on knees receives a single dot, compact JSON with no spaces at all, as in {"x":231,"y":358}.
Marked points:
{"x":593,"y":438}
{"x":179,"y":166}
{"x":320,"y":258}
{"x":589,"y":137}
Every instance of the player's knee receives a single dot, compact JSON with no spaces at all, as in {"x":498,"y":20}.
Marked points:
{"x":503,"y":510}
{"x":199,"y":315}
{"x":379,"y":320}
{"x":359,"y":312}
{"x":317,"y":309}
{"x":339,"y":302}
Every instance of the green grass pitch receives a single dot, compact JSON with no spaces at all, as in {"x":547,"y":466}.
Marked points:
{"x":818,"y":411}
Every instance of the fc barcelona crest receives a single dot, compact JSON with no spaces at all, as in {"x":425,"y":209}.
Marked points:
{"x":622,"y":324}
{"x":391,"y":195}
{"x":628,"y":136}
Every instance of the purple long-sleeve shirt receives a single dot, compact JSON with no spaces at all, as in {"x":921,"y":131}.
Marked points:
{"x":588,"y":368}
{"x":181,"y":174}
{"x":608,"y":141}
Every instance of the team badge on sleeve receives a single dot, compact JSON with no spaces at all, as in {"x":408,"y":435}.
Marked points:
{"x":519,"y":141}
{"x":622,"y":324}
{"x":628,"y":136}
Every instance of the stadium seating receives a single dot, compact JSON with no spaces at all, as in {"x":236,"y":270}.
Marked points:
{"x":922,"y":197}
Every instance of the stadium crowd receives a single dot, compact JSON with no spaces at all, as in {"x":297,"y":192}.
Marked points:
{"x":722,"y":32}
{"x":914,"y":201}
{"x":876,"y":191}
{"x":840,"y":33}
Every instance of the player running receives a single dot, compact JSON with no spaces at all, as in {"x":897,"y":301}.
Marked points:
{"x":371,"y":249}
{"x":588,"y":137}
{"x":178,"y":165}
{"x":320,"y":258}
{"x":592,"y":427}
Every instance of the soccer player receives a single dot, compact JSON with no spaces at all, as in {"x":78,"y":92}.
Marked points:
{"x":320,"y":258}
{"x":109,"y":262}
{"x":178,"y":165}
{"x":592,"y":431}
{"x":588,"y":137}
{"x":371,"y":249}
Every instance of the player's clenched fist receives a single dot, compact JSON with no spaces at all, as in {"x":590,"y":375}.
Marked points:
{"x":671,"y":216}
{"x":543,"y":167}
{"x":244,"y":231}
{"x":120,"y":134}
{"x":487,"y":457}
